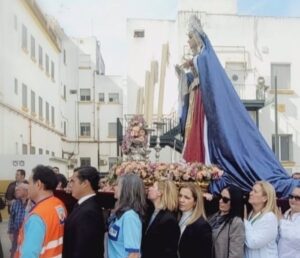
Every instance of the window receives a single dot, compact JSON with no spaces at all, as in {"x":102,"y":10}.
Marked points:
{"x":33,"y":102}
{"x":65,"y":56}
{"x":112,"y":130}
{"x":47,"y":152}
{"x":40,"y":151}
{"x":32,"y":150}
{"x":16,"y":86}
{"x":101,"y":97}
{"x":85,"y":94}
{"x":85,"y":129}
{"x":24,"y":95}
{"x":24,"y":37}
{"x":139,"y":34}
{"x":15,"y":22}
{"x":65,"y":128}
{"x":285,"y":142}
{"x":24,"y":149}
{"x":53,"y":154}
{"x":40,"y":108}
{"x":32,"y":47}
{"x":85,"y":162}
{"x":112,"y":161}
{"x":283,"y":74}
{"x":52,"y":115}
{"x":40,"y":57}
{"x":65,"y":92}
{"x":47,"y":112}
{"x":52,"y":70}
{"x":47,"y":64}
{"x":113,"y":97}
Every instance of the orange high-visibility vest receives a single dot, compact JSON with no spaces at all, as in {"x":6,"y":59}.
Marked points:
{"x":53,"y":213}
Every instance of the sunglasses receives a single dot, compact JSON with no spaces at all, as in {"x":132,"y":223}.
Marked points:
{"x":224,"y":199}
{"x":297,"y":198}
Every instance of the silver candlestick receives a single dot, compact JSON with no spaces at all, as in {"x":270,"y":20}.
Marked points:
{"x":148,"y":149}
{"x":159,"y":127}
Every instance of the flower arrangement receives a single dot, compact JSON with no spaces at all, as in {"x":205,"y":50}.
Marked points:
{"x":136,"y":134}
{"x":178,"y":172}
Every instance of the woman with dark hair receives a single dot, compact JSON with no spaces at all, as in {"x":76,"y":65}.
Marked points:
{"x":162,"y":232}
{"x":228,"y":226}
{"x":125,"y":224}
{"x":196,"y":239}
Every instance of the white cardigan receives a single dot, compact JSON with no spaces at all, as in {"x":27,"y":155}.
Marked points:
{"x":289,"y":236}
{"x":261,"y":235}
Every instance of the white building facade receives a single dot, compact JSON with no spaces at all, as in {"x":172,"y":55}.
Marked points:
{"x":56,"y":104}
{"x":253,"y":51}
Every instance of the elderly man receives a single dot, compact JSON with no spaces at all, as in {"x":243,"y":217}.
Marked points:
{"x":42,"y":232}
{"x":288,"y":245}
{"x":10,"y":191}
{"x":17,"y":214}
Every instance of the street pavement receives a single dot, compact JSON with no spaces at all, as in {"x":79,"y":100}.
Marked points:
{"x":4,"y":238}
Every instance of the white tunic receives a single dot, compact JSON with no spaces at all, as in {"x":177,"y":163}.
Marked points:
{"x":261,"y":233}
{"x":289,"y":236}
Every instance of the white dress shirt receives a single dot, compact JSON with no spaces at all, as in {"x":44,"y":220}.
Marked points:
{"x":289,"y":236}
{"x":261,"y":233}
{"x":84,"y":198}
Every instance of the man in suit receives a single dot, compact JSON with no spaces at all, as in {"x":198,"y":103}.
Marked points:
{"x":84,"y":229}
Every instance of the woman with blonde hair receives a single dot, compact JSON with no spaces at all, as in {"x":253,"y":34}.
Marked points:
{"x":261,"y":226}
{"x":162,"y":231}
{"x":196,"y":234}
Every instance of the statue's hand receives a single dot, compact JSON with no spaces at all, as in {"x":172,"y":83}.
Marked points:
{"x":178,"y":69}
{"x":188,"y":63}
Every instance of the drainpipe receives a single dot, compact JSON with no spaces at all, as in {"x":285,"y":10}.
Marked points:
{"x":30,"y":139}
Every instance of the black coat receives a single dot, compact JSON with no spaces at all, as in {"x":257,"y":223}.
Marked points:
{"x":196,"y":240}
{"x":84,"y":231}
{"x":160,"y":240}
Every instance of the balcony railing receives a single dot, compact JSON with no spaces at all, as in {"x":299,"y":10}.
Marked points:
{"x":250,"y":91}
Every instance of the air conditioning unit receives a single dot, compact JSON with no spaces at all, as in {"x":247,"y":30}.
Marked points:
{"x":73,"y":91}
{"x":237,"y":77}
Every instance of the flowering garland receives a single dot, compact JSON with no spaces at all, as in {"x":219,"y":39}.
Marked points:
{"x":178,"y":172}
{"x":135,"y":135}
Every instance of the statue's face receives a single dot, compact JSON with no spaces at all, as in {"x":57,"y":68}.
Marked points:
{"x":192,"y":41}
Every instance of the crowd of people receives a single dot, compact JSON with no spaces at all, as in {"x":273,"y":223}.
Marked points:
{"x":161,"y":221}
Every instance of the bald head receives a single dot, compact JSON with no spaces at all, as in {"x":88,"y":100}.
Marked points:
{"x":22,"y":191}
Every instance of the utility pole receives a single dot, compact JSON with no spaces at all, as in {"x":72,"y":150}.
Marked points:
{"x":276,"y":121}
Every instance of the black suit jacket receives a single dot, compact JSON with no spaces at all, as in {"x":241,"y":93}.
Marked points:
{"x":161,"y":238}
{"x":84,"y":231}
{"x":196,"y":240}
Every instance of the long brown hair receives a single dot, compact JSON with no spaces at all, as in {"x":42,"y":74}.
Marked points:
{"x":198,"y":210}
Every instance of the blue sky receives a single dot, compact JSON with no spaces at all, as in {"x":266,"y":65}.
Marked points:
{"x":106,"y":19}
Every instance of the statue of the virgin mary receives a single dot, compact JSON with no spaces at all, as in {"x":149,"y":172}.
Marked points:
{"x":216,"y":126}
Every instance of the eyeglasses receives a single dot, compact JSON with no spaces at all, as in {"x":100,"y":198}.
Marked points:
{"x":224,"y":199}
{"x":297,"y":198}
